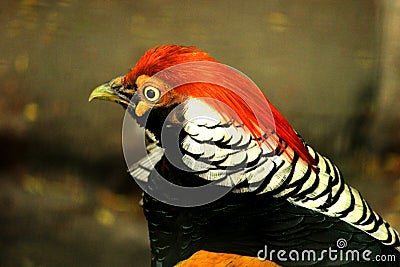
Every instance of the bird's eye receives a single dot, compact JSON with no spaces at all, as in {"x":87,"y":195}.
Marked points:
{"x":151,"y":93}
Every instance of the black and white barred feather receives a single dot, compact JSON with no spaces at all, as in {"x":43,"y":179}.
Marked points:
{"x":217,"y":149}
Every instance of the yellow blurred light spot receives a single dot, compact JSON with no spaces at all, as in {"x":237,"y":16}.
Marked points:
{"x":392,"y":163}
{"x":32,"y":184}
{"x":115,"y":202}
{"x":21,"y":62}
{"x":278,"y":22}
{"x":105,"y":217}
{"x":31,"y":112}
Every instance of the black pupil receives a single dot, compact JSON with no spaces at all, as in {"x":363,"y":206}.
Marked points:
{"x":150,"y":93}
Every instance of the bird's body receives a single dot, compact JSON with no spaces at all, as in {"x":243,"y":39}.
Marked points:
{"x":281,"y":194}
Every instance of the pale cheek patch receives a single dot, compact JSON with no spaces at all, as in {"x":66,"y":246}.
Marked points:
{"x":141,"y":108}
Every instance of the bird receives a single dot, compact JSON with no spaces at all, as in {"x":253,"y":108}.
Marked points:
{"x":254,"y":187}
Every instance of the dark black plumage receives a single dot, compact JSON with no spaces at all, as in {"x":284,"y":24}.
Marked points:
{"x":244,"y":223}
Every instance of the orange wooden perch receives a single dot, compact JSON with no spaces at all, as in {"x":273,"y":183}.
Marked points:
{"x":206,"y":258}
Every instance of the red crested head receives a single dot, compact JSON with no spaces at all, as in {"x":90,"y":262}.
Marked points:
{"x":162,"y":57}
{"x":241,"y":98}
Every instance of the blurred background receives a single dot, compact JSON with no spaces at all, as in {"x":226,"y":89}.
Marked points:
{"x":331,"y":67}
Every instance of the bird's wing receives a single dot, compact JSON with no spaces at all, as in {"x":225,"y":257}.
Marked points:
{"x":217,"y":149}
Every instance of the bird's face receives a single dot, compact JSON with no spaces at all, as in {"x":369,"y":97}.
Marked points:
{"x":141,"y":97}
{"x":140,"y":91}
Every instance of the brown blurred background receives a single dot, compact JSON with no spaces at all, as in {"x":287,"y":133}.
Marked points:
{"x":331,"y":67}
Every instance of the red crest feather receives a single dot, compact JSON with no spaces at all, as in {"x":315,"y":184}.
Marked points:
{"x":241,"y":98}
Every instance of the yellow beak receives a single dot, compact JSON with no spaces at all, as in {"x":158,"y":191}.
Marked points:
{"x":104,"y":92}
{"x":110,"y":91}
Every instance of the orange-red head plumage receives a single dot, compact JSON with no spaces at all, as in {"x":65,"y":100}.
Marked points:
{"x":240,"y":98}
{"x":162,"y":57}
